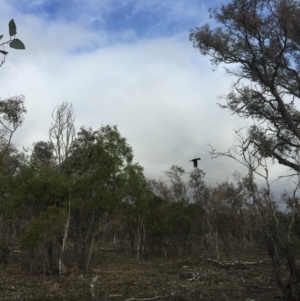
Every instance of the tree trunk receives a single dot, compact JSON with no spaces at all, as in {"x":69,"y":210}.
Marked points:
{"x":139,"y":243}
{"x":217,"y":246}
{"x":44,"y":262}
{"x":90,"y":254}
{"x":61,"y":267}
{"x":226,"y":245}
{"x":131,"y":237}
{"x":144,"y":241}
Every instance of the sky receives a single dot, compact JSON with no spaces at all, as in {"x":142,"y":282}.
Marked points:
{"x":127,"y":63}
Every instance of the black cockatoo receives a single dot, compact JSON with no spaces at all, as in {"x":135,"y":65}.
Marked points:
{"x":195,"y":161}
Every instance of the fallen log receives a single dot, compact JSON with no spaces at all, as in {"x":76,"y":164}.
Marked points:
{"x":236,"y":264}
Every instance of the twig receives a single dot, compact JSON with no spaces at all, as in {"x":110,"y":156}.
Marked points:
{"x":92,"y":285}
{"x":148,"y":299}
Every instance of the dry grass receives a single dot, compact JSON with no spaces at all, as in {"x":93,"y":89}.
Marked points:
{"x":121,"y":277}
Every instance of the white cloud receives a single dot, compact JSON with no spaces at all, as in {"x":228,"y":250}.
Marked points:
{"x":160,"y":92}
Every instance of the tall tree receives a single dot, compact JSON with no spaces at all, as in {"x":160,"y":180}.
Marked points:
{"x":12,"y":112}
{"x":178,"y":186}
{"x":61,"y":135}
{"x":98,"y":163}
{"x":260,"y":40}
{"x":198,"y":186}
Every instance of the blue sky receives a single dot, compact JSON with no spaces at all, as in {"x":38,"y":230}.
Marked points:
{"x":144,"y":19}
{"x":117,"y":15}
{"x":128,"y":63}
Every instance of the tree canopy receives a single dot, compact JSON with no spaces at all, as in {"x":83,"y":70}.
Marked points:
{"x":258,"y":42}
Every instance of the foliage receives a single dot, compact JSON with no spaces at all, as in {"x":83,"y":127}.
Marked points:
{"x":43,"y":152}
{"x":261,"y":41}
{"x":47,"y":227}
{"x":12,"y":111}
{"x":13,"y":41}
{"x":62,"y":209}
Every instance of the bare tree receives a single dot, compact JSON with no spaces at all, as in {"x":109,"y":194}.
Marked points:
{"x":61,"y":135}
{"x":62,"y":130}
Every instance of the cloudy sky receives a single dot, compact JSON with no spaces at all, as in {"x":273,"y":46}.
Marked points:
{"x":122,"y":62}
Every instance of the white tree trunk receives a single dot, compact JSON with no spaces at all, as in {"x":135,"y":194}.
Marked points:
{"x":217,"y":246}
{"x":61,"y":267}
{"x":139,"y":243}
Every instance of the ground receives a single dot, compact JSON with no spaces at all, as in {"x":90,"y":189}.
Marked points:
{"x":122,"y":277}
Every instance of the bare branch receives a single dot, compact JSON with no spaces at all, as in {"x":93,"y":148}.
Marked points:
{"x":62,"y":130}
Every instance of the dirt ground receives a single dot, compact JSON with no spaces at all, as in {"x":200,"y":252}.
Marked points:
{"x":121,"y":277}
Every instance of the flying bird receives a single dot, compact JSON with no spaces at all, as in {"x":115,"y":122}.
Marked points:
{"x":195,"y":161}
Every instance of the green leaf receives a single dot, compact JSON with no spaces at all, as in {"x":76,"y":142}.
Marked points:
{"x":12,"y":27}
{"x":3,"y":52}
{"x":17,"y":44}
{"x":1,"y":36}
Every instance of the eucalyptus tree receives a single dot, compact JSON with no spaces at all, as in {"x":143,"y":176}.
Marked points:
{"x":200,"y":192}
{"x":43,"y":152}
{"x":135,"y":207}
{"x":178,"y":186}
{"x":199,"y":188}
{"x":40,"y":200}
{"x":12,"y":111}
{"x":10,"y":164}
{"x":98,"y":164}
{"x":258,"y":43}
